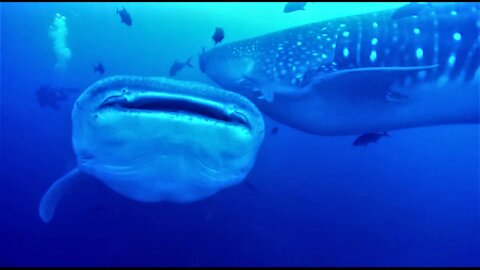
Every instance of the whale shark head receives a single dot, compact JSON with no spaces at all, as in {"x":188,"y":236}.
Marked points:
{"x":262,"y":66}
{"x":154,"y":139}
{"x":231,"y":68}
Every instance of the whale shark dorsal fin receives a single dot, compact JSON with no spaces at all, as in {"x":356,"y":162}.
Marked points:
{"x":55,"y":193}
{"x":370,"y":82}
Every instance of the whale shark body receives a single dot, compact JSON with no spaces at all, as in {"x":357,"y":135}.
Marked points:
{"x":360,"y":74}
{"x":157,"y":139}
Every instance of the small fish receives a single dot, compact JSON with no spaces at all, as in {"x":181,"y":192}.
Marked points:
{"x":177,"y":66}
{"x":250,"y":186}
{"x":274,"y":130}
{"x":125,"y":16}
{"x":294,"y":6}
{"x":99,"y":67}
{"x":367,"y":138}
{"x":218,"y":35}
{"x":411,"y":9}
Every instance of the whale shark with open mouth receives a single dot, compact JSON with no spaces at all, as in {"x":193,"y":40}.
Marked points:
{"x":360,"y":74}
{"x":155,"y":139}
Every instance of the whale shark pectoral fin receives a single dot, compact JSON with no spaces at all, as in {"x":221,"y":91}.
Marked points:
{"x":55,"y":193}
{"x":375,"y":82}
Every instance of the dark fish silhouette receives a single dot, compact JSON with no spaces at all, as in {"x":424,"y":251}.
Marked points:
{"x":50,"y":96}
{"x":177,"y":66}
{"x":367,"y":138}
{"x":250,"y":186}
{"x":99,"y":68}
{"x":412,"y":9}
{"x":274,"y":130}
{"x":218,"y":35}
{"x":125,"y":16}
{"x":294,"y":6}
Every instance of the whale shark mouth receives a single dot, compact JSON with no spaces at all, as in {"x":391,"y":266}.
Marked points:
{"x":178,"y":105}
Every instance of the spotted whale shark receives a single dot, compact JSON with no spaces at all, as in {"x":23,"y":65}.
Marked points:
{"x":155,"y":139}
{"x":364,"y":73}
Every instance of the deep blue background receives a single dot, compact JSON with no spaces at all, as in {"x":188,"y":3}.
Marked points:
{"x":411,"y":199}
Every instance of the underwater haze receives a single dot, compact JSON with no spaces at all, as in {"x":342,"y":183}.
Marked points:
{"x":410,"y":199}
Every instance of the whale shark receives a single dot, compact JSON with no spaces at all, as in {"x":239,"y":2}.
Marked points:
{"x":360,"y":74}
{"x":155,"y":139}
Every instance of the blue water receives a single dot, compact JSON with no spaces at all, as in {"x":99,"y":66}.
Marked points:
{"x":411,"y":199}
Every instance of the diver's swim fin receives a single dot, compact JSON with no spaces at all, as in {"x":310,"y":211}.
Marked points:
{"x":55,"y":193}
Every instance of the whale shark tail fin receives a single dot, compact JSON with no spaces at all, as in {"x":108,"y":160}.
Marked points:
{"x":55,"y":193}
